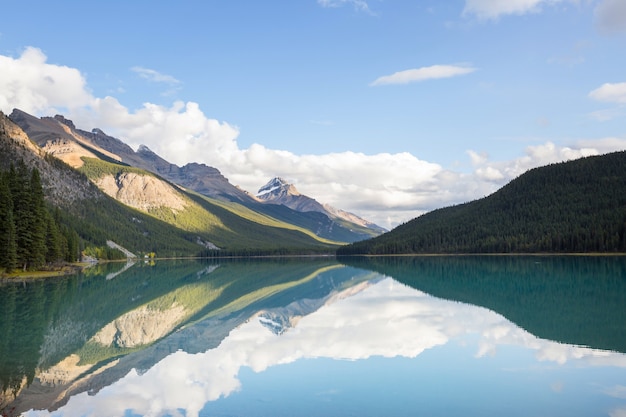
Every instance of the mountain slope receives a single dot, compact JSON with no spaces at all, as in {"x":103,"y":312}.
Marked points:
{"x":59,"y":137}
{"x":157,"y":216}
{"x":214,"y":226}
{"x":575,"y":206}
{"x":280,"y":192}
{"x":82,"y":207}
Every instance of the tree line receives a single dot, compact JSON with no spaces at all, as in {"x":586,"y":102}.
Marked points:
{"x":31,"y":234}
{"x":576,"y":206}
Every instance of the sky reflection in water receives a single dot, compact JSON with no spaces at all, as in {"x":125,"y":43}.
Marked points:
{"x":378,"y":349}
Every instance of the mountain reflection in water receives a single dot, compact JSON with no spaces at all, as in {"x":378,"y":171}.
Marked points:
{"x":322,"y":338}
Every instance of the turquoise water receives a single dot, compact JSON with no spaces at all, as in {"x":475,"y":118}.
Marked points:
{"x":432,"y":336}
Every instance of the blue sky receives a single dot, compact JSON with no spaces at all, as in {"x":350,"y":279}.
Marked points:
{"x":384,"y":108}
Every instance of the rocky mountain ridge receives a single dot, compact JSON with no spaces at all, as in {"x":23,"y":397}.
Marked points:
{"x":62,"y":185}
{"x":279,"y":191}
{"x":143,"y":180}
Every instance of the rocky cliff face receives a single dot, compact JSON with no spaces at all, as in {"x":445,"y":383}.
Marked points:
{"x":49,"y":132}
{"x":201,"y":178}
{"x":62,"y":185}
{"x":59,"y":137}
{"x":67,"y":151}
{"x":12,"y":133}
{"x":143,"y":192}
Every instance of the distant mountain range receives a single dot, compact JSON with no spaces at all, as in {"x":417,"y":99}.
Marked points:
{"x":165,"y":208}
{"x":278,"y":191}
{"x":107,"y":191}
{"x":576,"y":206}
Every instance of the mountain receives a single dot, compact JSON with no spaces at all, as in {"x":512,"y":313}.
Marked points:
{"x":59,"y":137}
{"x":279,"y":191}
{"x":86,"y":184}
{"x":160,"y":181}
{"x":575,"y":206}
{"x":61,"y":186}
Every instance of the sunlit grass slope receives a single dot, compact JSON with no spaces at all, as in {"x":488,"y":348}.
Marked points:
{"x":230,"y":226}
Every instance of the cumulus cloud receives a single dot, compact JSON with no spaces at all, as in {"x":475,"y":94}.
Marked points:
{"x":540,"y":155}
{"x":610,"y":92}
{"x":492,"y":9}
{"x":423,"y":74}
{"x":31,"y":84}
{"x":610,"y":16}
{"x":385,"y":188}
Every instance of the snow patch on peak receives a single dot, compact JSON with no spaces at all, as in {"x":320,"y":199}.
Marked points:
{"x":277,"y":185}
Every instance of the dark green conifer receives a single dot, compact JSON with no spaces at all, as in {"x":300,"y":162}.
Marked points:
{"x":39,"y":224}
{"x":8,"y":245}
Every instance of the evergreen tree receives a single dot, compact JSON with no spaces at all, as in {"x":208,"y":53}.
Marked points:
{"x":39,"y":221}
{"x":72,"y":240}
{"x":29,"y":216}
{"x":8,"y":245}
{"x":18,"y":184}
{"x":56,"y":246}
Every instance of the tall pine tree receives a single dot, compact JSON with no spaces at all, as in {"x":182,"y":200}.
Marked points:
{"x":39,"y":225}
{"x":8,"y":245}
{"x":29,"y":215}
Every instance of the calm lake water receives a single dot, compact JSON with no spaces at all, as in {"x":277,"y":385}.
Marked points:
{"x":406,"y":336}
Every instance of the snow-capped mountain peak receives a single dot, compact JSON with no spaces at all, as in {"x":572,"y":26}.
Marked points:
{"x":277,"y":187}
{"x":279,"y":191}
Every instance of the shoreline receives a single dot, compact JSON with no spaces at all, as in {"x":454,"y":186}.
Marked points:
{"x":74,"y":268}
{"x":68,"y":269}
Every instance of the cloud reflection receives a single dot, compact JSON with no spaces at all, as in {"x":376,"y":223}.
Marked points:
{"x":387,"y":319}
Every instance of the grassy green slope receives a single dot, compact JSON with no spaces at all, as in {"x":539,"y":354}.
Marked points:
{"x":230,"y":226}
{"x":576,"y":206}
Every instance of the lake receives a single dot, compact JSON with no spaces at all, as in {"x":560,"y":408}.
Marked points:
{"x":389,"y":336}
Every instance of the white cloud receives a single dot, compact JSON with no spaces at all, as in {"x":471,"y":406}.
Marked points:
{"x":490,"y":174}
{"x":610,"y":16}
{"x":155,"y":76}
{"x":357,"y":4}
{"x":600,"y":146}
{"x":610,"y":92}
{"x":478,"y":158}
{"x":32,"y":85}
{"x":540,"y":155}
{"x":492,"y":9}
{"x":422,"y":74}
{"x":387,"y":189}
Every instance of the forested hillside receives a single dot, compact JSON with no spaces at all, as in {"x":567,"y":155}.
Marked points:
{"x":30,"y":235}
{"x":51,"y":212}
{"x":575,"y":206}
